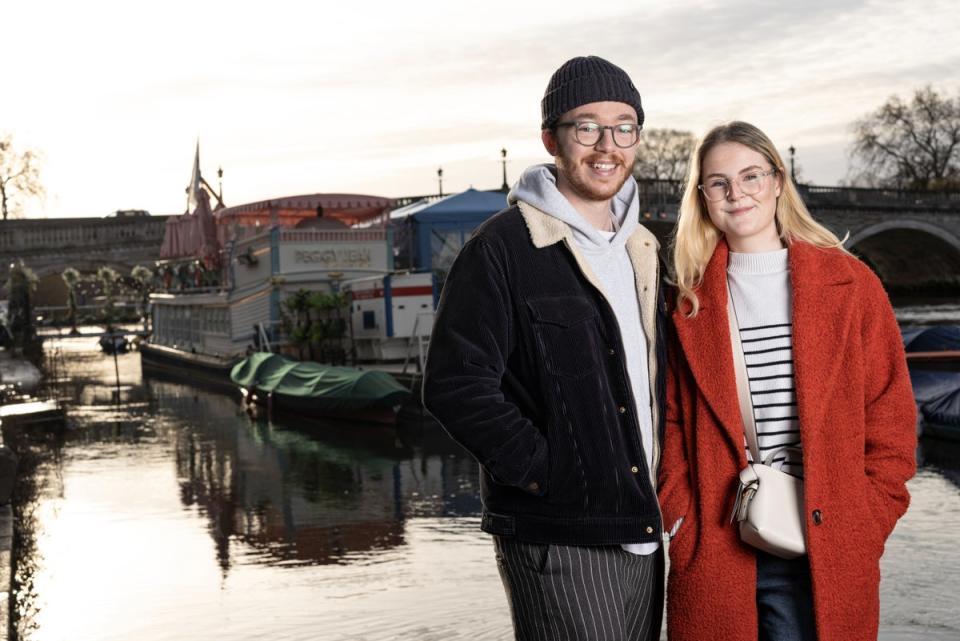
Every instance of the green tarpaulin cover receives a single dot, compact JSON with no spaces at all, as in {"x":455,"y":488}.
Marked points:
{"x":268,"y":372}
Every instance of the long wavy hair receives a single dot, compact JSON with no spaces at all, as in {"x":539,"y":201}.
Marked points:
{"x":696,"y":237}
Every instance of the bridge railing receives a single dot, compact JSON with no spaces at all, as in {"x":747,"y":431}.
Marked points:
{"x":31,"y":235}
{"x":668,"y":193}
{"x":815,"y":195}
{"x":403,"y":201}
{"x":660,"y":192}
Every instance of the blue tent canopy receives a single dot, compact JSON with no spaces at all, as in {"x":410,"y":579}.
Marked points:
{"x":430,"y":234}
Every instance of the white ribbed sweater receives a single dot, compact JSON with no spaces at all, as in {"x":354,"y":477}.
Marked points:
{"x":760,"y":288}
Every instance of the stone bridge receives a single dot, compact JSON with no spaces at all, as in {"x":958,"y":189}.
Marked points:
{"x":48,"y":246}
{"x":911,"y":239}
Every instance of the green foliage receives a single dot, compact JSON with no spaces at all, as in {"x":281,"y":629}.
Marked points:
{"x":20,"y":321}
{"x":71,"y":277}
{"x":143,"y":276}
{"x":109,"y":279}
{"x":144,"y":279}
{"x":316,"y":320}
{"x":298,"y":302}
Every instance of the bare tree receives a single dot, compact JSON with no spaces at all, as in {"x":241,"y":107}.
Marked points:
{"x":19,"y":174}
{"x":913,"y":145}
{"x":663,"y":154}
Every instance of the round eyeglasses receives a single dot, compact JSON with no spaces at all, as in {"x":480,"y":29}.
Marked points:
{"x":588,"y":134}
{"x":750,"y":183}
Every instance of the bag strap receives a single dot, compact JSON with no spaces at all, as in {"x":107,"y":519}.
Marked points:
{"x":743,"y":384}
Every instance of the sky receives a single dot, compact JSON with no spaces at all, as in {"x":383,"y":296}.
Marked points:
{"x":373,"y":97}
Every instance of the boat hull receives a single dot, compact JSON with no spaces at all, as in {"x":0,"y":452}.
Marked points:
{"x":179,"y":365}
{"x":257,"y":401}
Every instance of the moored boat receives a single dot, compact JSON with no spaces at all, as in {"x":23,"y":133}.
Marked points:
{"x":938,"y":402}
{"x":32,"y":412}
{"x":332,"y":277}
{"x":935,"y":345}
{"x":114,"y":344}
{"x":312,"y":389}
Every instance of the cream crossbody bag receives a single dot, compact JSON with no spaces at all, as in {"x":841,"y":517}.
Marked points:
{"x":769,"y":502}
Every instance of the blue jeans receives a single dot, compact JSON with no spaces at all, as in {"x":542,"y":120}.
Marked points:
{"x":784,"y":599}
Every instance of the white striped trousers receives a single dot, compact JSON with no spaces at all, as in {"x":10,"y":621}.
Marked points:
{"x":581,"y":593}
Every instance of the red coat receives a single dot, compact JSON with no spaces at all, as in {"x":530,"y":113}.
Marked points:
{"x":858,"y":429}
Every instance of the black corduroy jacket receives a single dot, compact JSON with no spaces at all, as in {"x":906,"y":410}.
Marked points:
{"x":526,"y":370}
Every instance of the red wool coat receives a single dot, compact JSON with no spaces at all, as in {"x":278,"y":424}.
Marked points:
{"x":858,"y":429}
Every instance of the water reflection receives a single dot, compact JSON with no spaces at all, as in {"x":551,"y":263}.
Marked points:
{"x":942,"y":456}
{"x":317,"y":492}
{"x":168,"y":513}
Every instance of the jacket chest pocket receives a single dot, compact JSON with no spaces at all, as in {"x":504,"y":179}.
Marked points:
{"x":567,"y":334}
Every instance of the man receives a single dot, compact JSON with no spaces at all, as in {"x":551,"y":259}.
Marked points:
{"x":547,"y":363}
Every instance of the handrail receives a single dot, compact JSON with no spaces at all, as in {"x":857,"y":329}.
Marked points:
{"x":266,"y":345}
{"x":421,"y":357}
{"x":657,"y":191}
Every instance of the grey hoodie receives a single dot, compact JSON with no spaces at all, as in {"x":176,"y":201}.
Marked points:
{"x":607,"y":256}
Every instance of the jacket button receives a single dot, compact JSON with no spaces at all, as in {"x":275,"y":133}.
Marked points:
{"x":622,"y":409}
{"x":649,"y":530}
{"x":611,"y":351}
{"x":817,"y":517}
{"x":635,"y":469}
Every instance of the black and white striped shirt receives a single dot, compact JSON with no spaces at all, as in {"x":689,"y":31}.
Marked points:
{"x":760,"y":287}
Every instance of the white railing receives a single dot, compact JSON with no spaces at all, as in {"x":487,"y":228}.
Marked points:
{"x":266,"y":345}
{"x":421,"y":341}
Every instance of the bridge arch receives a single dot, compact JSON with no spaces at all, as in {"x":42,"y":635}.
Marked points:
{"x":910,"y":256}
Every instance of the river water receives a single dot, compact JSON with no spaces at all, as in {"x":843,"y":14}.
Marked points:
{"x":165,"y":512}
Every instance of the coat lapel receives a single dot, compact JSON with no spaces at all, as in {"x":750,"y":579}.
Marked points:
{"x":821,"y":319}
{"x":822,"y":306}
{"x":705,"y":340}
{"x":642,"y":249}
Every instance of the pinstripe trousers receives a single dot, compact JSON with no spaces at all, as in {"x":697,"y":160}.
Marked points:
{"x":581,"y":593}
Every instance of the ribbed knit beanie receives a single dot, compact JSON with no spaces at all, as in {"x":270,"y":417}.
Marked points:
{"x":583,"y":80}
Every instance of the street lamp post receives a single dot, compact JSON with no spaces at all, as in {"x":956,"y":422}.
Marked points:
{"x":503,"y":159}
{"x":793,"y":173}
{"x":440,"y":181}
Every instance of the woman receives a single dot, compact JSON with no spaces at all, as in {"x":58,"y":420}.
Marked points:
{"x":827,"y":375}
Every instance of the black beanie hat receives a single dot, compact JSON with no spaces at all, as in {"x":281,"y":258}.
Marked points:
{"x":584,"y":80}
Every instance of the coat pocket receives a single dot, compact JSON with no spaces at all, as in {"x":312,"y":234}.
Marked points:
{"x":567,"y":334}
{"x":870,"y":521}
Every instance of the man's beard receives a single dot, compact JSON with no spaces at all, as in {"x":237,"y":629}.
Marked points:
{"x":584,"y":188}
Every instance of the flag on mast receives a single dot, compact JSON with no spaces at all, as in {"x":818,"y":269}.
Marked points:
{"x":193,"y":189}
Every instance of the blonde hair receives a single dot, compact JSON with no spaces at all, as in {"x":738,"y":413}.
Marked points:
{"x":696,"y":237}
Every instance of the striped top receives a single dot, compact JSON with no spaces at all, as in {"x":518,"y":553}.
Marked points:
{"x":760,"y":287}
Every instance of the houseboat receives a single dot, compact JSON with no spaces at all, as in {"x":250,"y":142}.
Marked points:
{"x":228,"y":274}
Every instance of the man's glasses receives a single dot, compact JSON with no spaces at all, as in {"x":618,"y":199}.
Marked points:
{"x":588,"y":134}
{"x":750,"y":183}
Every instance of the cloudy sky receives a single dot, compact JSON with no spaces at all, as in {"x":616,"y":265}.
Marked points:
{"x":372,"y":97}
